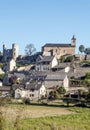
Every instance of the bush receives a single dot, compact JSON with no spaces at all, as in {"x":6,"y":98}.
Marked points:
{"x":62,"y":59}
{"x":53,"y":95}
{"x":61,"y":90}
{"x":26,"y":100}
{"x":2,"y":76}
{"x":69,"y":59}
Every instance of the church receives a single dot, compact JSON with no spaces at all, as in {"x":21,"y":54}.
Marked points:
{"x":60,"y":49}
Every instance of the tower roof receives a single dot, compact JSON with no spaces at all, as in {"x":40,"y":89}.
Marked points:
{"x":73,"y":38}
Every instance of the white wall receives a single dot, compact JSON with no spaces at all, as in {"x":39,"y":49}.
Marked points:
{"x":0,"y":84}
{"x":11,"y":65}
{"x":66,"y":83}
{"x":67,"y":69}
{"x":21,"y":92}
{"x":42,"y":90}
{"x":54,"y":62}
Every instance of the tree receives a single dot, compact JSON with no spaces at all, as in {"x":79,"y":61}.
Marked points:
{"x":53,"y":94}
{"x":62,"y":59}
{"x":0,"y":53}
{"x":81,"y":48}
{"x":30,"y":49}
{"x":69,"y":59}
{"x":87,"y":51}
{"x":61,"y":90}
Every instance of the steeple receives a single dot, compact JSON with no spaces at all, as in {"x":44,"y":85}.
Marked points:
{"x":73,"y":38}
{"x":73,"y":41}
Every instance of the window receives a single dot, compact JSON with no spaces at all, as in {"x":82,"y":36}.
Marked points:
{"x":31,"y":95}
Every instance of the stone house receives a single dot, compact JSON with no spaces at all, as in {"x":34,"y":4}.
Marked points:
{"x":5,"y":91}
{"x":46,"y":63}
{"x":64,"y":67}
{"x":20,"y":93}
{"x":59,"y":49}
{"x":19,"y":77}
{"x":56,"y":79}
{"x":31,"y":91}
{"x":11,"y":65}
{"x":79,"y":57}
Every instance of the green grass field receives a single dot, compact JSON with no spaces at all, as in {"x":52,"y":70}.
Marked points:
{"x":38,"y":117}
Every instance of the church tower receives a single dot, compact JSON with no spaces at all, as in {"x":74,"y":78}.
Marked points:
{"x":73,"y":41}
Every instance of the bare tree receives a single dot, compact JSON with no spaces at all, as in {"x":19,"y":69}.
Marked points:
{"x":30,"y":49}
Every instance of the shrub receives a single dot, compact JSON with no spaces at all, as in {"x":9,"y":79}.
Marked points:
{"x":62,"y":59}
{"x":26,"y":100}
{"x":69,"y":59}
{"x":61,"y":90}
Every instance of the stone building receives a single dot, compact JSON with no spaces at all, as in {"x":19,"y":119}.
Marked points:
{"x":53,"y":80}
{"x":9,"y":54}
{"x":46,"y":63}
{"x":11,"y":65}
{"x":59,"y":49}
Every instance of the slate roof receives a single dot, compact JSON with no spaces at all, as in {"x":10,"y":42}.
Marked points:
{"x":57,"y":45}
{"x":62,"y":65}
{"x":47,"y":59}
{"x":56,"y":77}
{"x":33,"y":86}
{"x":19,"y":75}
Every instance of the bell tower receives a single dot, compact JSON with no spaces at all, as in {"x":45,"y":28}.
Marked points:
{"x":73,"y":41}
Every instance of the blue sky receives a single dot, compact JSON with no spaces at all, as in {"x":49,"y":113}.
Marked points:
{"x":44,"y":21}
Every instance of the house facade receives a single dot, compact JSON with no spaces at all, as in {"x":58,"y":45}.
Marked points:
{"x":20,"y":93}
{"x":54,"y":80}
{"x":11,"y":65}
{"x":46,"y":63}
{"x":32,"y":91}
{"x":62,"y":67}
{"x":59,"y":49}
{"x":5,"y":91}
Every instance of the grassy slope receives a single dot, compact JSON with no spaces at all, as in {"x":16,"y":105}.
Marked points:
{"x":20,"y":117}
{"x":79,"y":121}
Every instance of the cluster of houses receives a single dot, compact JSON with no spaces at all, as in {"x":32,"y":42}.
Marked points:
{"x":47,"y":74}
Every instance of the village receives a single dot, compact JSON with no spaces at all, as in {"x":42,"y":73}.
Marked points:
{"x":51,"y":73}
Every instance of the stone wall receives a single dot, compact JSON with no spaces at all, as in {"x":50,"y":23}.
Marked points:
{"x":59,"y":51}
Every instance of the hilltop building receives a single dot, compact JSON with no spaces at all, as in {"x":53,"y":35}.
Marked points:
{"x":9,"y":54}
{"x":59,"y":49}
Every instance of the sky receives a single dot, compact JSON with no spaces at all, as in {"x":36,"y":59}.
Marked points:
{"x":44,"y":21}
